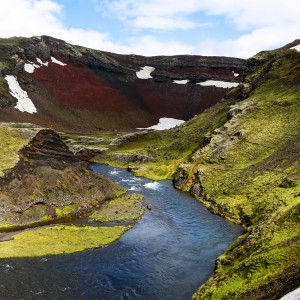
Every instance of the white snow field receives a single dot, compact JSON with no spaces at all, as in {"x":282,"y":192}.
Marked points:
{"x":24,"y":103}
{"x":145,"y":72}
{"x":165,"y":123}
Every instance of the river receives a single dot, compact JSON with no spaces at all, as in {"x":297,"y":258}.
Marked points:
{"x":167,"y":255}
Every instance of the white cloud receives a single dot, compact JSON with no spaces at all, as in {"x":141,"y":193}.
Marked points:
{"x":249,"y":44}
{"x":261,"y":24}
{"x":157,"y":22}
{"x":155,"y":14}
{"x":45,"y":17}
{"x":245,"y":15}
{"x":149,"y":45}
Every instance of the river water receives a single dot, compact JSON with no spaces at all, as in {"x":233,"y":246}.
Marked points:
{"x":167,"y":255}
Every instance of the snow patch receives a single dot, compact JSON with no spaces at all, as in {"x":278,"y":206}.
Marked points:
{"x":152,"y":185}
{"x":54,"y":60}
{"x":165,"y":123}
{"x":296,"y":47}
{"x":42,"y":63}
{"x":295,"y":295}
{"x":24,"y":103}
{"x":220,"y":84}
{"x":145,"y":72}
{"x":29,"y":68}
{"x":185,"y":81}
{"x":235,"y":74}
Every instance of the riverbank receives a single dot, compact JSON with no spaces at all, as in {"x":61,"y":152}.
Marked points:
{"x":66,"y":238}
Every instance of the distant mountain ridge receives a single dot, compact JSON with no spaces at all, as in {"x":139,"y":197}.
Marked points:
{"x":80,"y":89}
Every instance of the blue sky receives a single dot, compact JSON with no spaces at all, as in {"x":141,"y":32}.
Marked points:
{"x":153,"y":27}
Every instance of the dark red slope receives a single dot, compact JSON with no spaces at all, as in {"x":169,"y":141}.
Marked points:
{"x":101,"y":90}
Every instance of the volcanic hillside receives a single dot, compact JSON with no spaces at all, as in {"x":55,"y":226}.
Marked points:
{"x":71,"y":88}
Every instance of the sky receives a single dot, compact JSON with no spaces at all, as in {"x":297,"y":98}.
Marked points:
{"x":158,"y":27}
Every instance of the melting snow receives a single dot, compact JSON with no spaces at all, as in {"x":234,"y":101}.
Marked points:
{"x":145,"y":72}
{"x":29,"y":68}
{"x":24,"y":102}
{"x":54,"y":60}
{"x":296,"y":47}
{"x":185,"y":81}
{"x":221,"y":84}
{"x":42,"y":63}
{"x":165,"y":123}
{"x":295,"y":295}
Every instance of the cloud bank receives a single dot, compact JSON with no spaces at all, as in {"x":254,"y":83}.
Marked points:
{"x":151,"y":26}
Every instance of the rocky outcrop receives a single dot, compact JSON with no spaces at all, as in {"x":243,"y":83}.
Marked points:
{"x":48,"y":176}
{"x":80,"y":89}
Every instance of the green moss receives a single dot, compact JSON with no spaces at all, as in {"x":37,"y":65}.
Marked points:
{"x":126,"y":208}
{"x":11,"y":142}
{"x":5,"y":226}
{"x":66,"y":210}
{"x":59,"y":240}
{"x":254,"y":179}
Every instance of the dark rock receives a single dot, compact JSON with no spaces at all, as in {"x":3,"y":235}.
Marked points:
{"x":88,"y":154}
{"x":239,"y":133}
{"x":287,"y":183}
{"x":49,"y":175}
{"x":196,"y":189}
{"x":130,"y":158}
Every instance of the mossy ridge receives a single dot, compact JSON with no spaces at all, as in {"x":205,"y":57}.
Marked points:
{"x":254,"y":179}
{"x":66,"y":210}
{"x":255,"y":164}
{"x":60,"y":239}
{"x":126,"y":208}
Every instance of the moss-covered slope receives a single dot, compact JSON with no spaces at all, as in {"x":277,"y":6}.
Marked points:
{"x":249,"y":173}
{"x":241,"y":158}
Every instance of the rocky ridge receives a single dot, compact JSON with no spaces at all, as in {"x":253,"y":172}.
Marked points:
{"x":78,"y":89}
{"x":47,"y":178}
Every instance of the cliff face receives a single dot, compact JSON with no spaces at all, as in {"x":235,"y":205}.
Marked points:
{"x":81,"y":89}
{"x":46,"y":180}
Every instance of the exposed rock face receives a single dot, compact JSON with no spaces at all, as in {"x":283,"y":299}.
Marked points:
{"x":47,"y":176}
{"x":81,"y":89}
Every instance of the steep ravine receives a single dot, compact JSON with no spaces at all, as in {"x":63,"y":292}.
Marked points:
{"x":241,"y":159}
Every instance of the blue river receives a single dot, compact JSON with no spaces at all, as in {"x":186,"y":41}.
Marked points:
{"x":169,"y":253}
